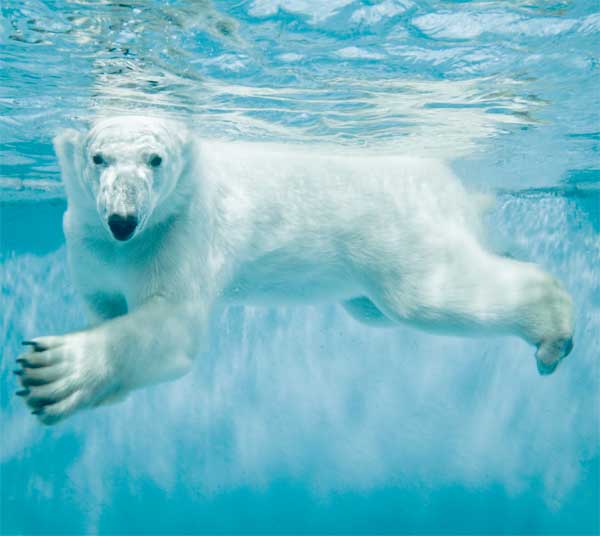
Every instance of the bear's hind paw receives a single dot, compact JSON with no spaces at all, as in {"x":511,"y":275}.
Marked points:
{"x":550,"y":353}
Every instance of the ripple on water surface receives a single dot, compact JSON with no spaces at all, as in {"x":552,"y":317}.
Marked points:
{"x":508,"y":85}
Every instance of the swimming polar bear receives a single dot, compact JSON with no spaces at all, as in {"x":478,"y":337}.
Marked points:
{"x":161,"y":229}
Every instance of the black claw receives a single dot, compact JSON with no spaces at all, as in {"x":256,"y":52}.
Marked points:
{"x":18,"y":372}
{"x":26,"y":382}
{"x":26,"y":364}
{"x":22,"y":392}
{"x":37,"y":347}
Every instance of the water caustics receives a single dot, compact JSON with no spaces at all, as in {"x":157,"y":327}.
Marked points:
{"x":301,"y":419}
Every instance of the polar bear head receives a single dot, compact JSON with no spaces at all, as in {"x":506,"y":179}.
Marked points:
{"x":126,"y":166}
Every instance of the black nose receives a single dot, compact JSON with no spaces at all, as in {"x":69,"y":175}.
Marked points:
{"x":122,"y":227}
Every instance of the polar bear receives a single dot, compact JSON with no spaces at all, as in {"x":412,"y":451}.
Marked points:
{"x":162,"y":229}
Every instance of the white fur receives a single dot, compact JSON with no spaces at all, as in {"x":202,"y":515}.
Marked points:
{"x":396,"y":239}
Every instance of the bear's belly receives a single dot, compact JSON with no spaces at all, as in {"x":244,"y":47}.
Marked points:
{"x":265,"y":282}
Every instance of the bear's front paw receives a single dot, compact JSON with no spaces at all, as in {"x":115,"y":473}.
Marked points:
{"x":63,"y":374}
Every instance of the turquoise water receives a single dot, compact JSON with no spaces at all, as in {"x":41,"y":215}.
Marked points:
{"x":301,"y":420}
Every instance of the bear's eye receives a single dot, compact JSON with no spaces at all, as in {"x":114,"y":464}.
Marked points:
{"x":155,"y":160}
{"x":98,"y":159}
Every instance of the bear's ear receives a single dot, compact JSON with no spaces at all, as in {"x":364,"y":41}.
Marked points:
{"x":187,"y":142}
{"x":67,"y":146}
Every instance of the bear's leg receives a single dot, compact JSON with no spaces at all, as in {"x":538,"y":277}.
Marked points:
{"x":365,"y":311}
{"x":102,"y":306}
{"x":154,"y":343}
{"x":474,"y":292}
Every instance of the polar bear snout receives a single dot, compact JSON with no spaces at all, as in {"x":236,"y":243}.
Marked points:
{"x":124,"y":203}
{"x":122,"y":227}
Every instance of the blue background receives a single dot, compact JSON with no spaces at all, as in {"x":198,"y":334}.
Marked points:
{"x":301,"y":420}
